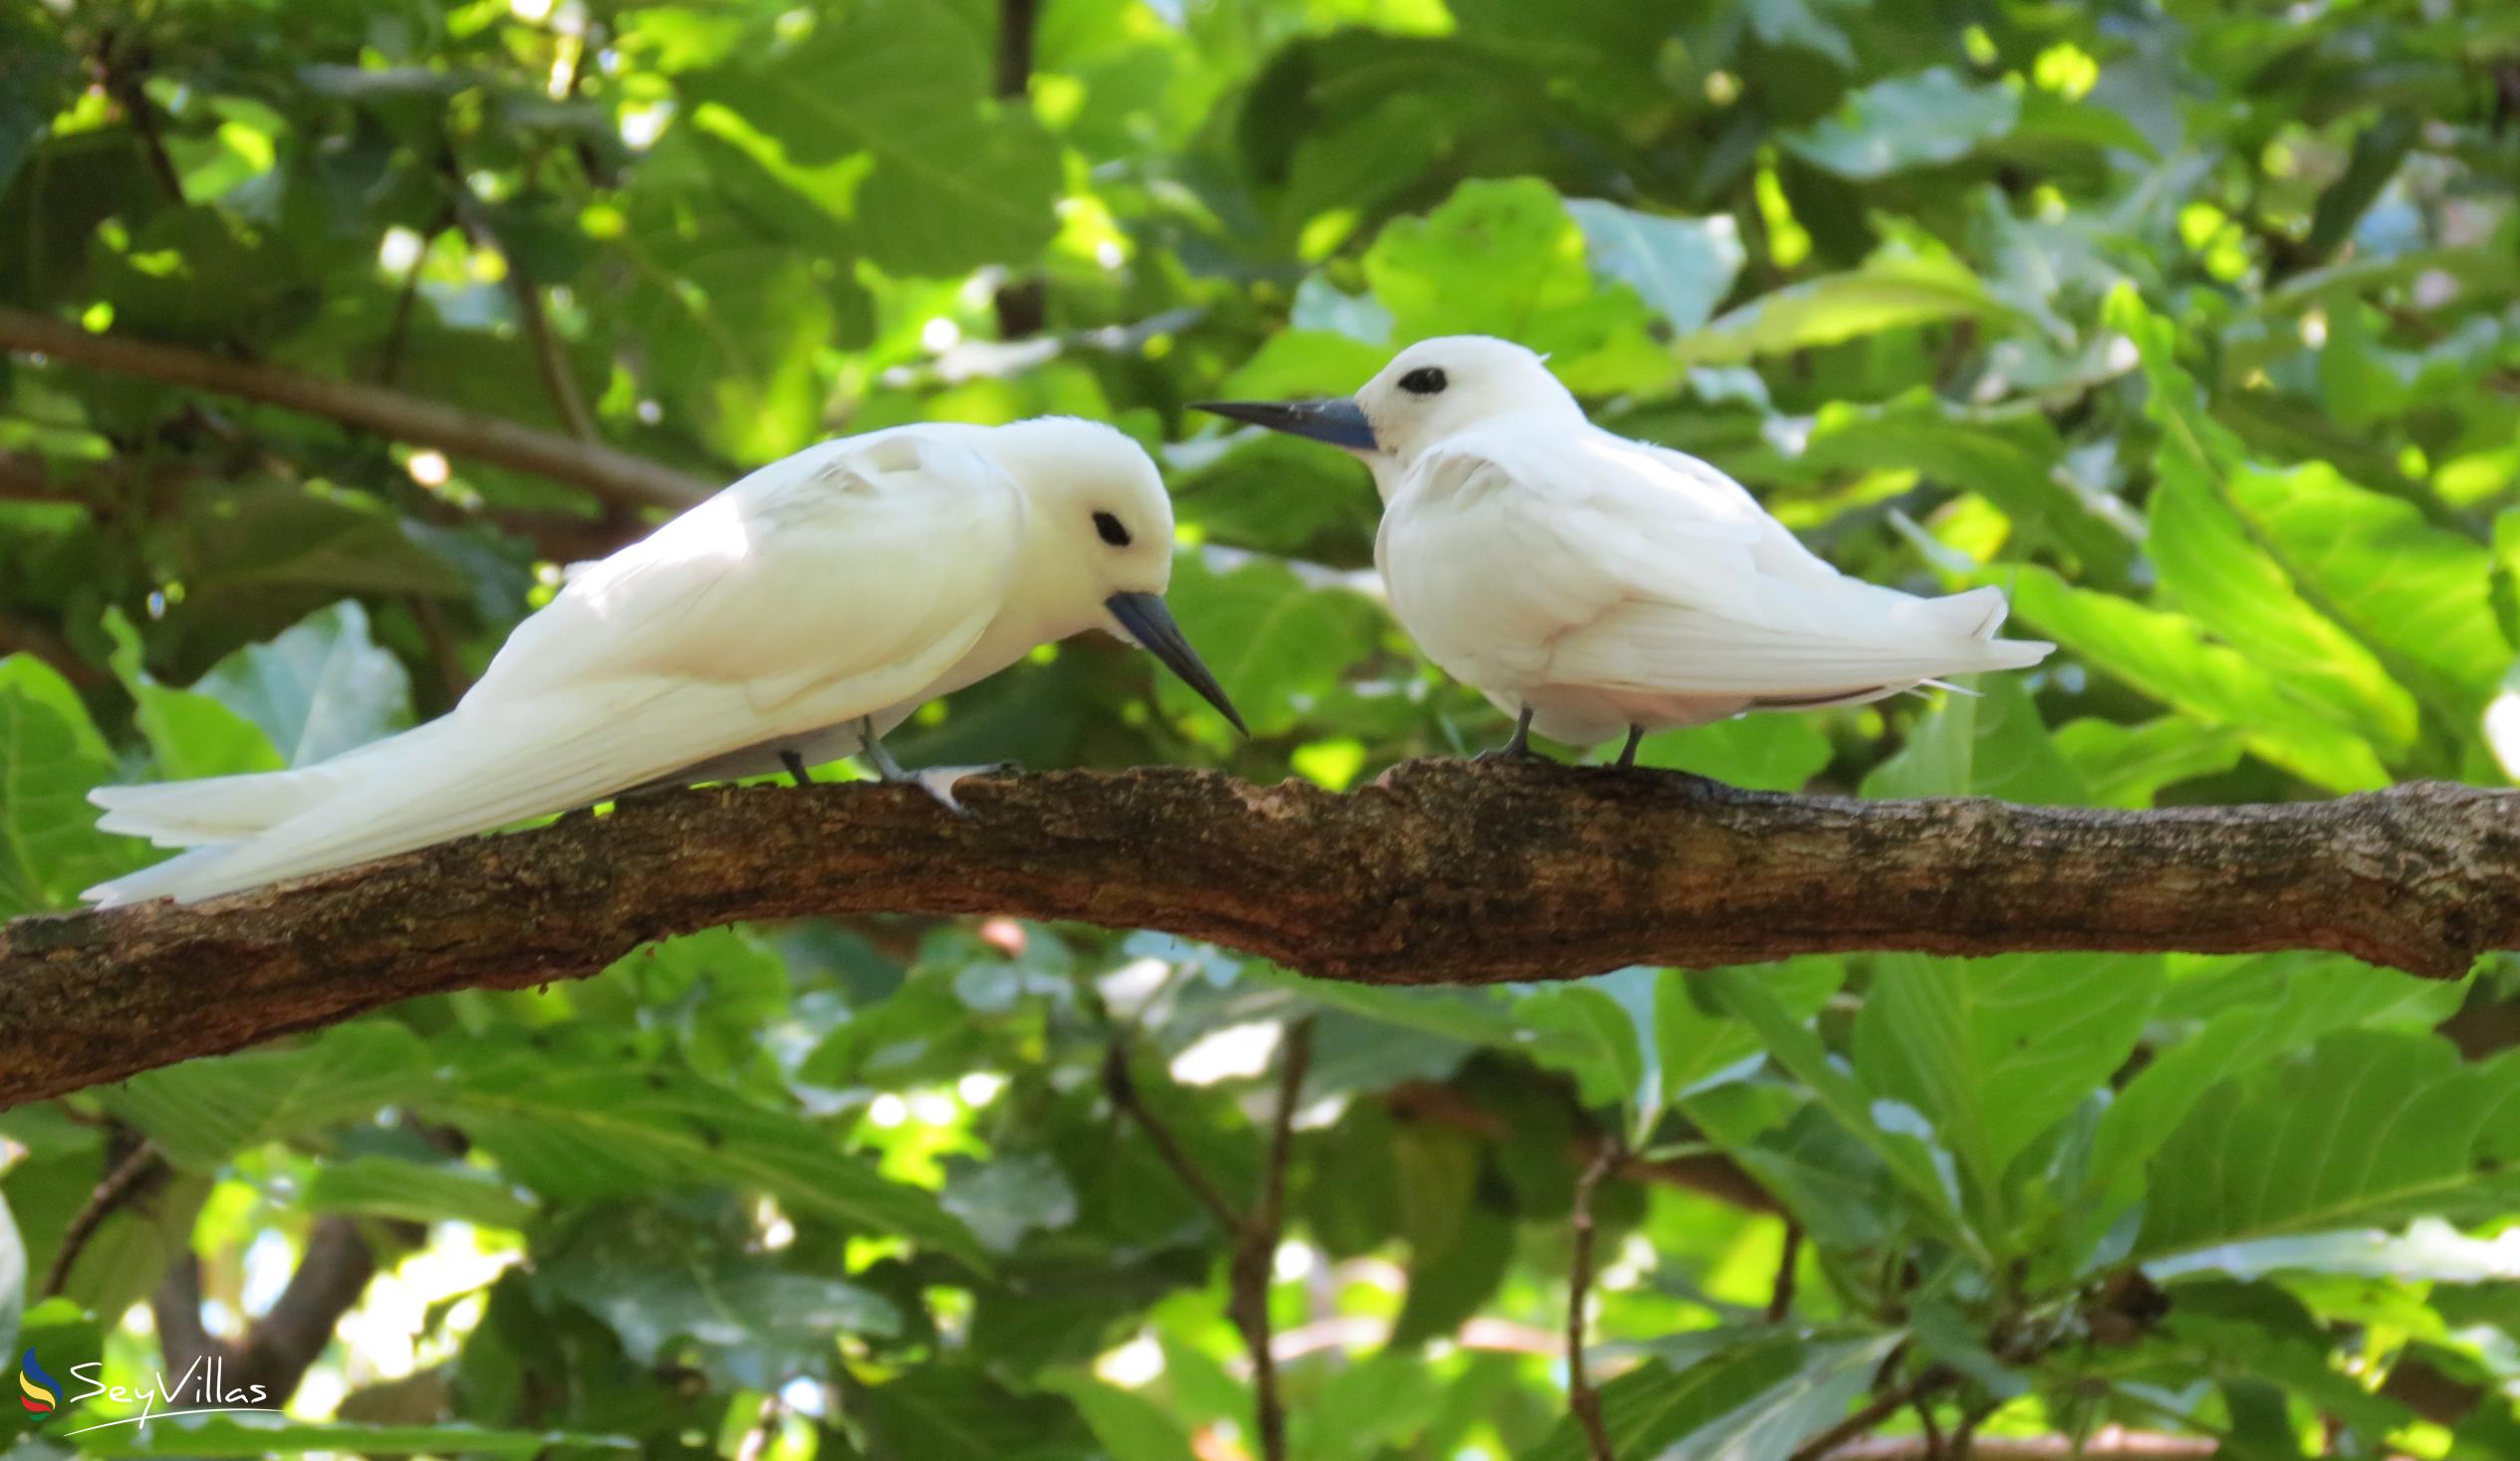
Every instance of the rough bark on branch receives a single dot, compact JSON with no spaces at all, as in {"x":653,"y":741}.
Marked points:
{"x":599,"y":469}
{"x":1442,"y":872}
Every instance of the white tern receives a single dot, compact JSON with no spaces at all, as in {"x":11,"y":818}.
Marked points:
{"x":794,"y":618}
{"x":1587,"y":583}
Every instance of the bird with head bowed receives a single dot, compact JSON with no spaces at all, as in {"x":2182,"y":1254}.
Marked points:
{"x":1589,"y":585}
{"x":790,"y":620}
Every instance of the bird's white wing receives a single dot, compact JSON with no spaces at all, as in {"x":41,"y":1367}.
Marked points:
{"x":1596,"y":561}
{"x":865,"y":551}
{"x":829,"y":585}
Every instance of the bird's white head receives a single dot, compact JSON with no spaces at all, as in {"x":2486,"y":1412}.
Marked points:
{"x":1099,"y":539}
{"x":1428,"y":391}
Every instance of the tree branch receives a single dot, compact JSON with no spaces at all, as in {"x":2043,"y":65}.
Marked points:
{"x":1255,"y":1234}
{"x":1581,"y":1397}
{"x":612,"y":474}
{"x":1442,"y":872}
{"x":279,"y":1347}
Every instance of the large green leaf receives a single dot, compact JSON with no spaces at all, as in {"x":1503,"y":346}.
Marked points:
{"x":1505,"y":258}
{"x":50,"y":757}
{"x":1895,"y":288}
{"x":201,"y":1113}
{"x":417,"y":1192}
{"x":2370,"y":1130}
{"x":1995,"y":1050}
{"x":321,"y":688}
{"x":189,"y":734}
{"x":1682,"y":267}
{"x":1275,"y":643}
{"x":2167,"y":657}
{"x":1878,"y":1124}
{"x":742,"y":1318}
{"x":1751,"y":1397}
{"x":574,"y":1126}
{"x":2422,"y":593}
{"x":1919,"y":120}
{"x":957,"y":180}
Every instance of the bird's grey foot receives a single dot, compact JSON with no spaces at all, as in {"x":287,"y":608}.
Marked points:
{"x":940,"y":781}
{"x":796,"y":768}
{"x":870,"y":747}
{"x":1515,"y":749}
{"x":1628,"y":753}
{"x":937,"y":781}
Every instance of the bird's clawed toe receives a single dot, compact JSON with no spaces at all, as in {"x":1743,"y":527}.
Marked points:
{"x":939,"y":782}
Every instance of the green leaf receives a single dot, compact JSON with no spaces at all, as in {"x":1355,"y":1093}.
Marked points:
{"x":744,"y":1319}
{"x":50,"y":757}
{"x":189,"y":734}
{"x":2371,"y":1128}
{"x":1896,"y":287}
{"x":574,"y":1129}
{"x":202,"y":1113}
{"x":938,"y":1412}
{"x":1130,"y":1426}
{"x":1505,"y":258}
{"x":2013,"y":459}
{"x":1682,"y":267}
{"x":957,"y":180}
{"x":1756,"y":1401}
{"x":2429,"y":1251}
{"x":1931,"y":117}
{"x":2167,"y":657}
{"x":254,"y":1435}
{"x":1592,"y":1035}
{"x":1995,"y":1050}
{"x":2127,"y":766}
{"x":417,"y":1192}
{"x":320,"y":688}
{"x":1797,"y":1049}
{"x":2221,"y":580}
{"x":1989,"y":743}
{"x":1275,"y":643}
{"x":2420,"y":594}
{"x":1696,"y":1043}
{"x":1768,"y":753}
{"x":2270,"y":1008}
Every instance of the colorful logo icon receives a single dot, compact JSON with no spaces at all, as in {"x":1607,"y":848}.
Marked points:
{"x":41,"y":1393}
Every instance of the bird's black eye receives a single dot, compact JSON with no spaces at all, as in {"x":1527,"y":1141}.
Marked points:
{"x":1424,"y":380}
{"x":1111,"y":529}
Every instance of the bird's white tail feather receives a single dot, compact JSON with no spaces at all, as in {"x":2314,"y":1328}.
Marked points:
{"x":499,"y":768}
{"x":188,"y":814}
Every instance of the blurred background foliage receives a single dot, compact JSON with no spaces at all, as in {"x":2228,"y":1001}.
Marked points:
{"x":2195,"y":326}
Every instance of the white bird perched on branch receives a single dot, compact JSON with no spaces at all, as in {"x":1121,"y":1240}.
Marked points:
{"x":1588,"y":584}
{"x":794,"y":618}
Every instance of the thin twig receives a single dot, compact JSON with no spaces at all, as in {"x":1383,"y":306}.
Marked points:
{"x":441,"y":644}
{"x":551,"y":357}
{"x":1880,"y":1408}
{"x":128,"y":1178}
{"x":1931,"y":1427}
{"x":1255,"y":1257}
{"x":1781,"y":1300}
{"x":1123,"y":1088}
{"x":1585,"y":1400}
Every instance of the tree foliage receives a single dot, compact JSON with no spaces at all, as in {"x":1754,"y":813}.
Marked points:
{"x":2194,"y":327}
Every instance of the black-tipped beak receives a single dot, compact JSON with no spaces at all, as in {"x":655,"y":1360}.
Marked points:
{"x":1336,"y":421}
{"x":1150,"y":625}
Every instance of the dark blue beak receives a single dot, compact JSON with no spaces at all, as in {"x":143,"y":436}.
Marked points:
{"x":1336,"y":421}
